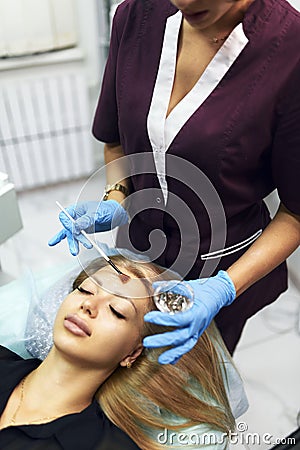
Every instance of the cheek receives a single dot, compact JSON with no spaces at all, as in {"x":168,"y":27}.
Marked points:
{"x":121,"y":335}
{"x":116,"y":340}
{"x":223,"y":6}
{"x":69,"y":305}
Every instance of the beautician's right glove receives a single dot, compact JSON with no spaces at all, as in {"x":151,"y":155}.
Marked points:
{"x":91,"y":217}
{"x":210,"y":295}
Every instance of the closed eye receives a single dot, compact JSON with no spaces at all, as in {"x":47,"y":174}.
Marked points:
{"x":113,"y":310}
{"x":116,"y":313}
{"x":80,"y":289}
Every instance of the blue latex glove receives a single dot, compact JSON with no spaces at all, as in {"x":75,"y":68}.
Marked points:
{"x":210,"y":295}
{"x":90,"y":217}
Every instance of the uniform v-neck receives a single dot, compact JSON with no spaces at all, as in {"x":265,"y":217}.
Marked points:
{"x":162,"y":129}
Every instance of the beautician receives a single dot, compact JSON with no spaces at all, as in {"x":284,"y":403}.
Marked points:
{"x":215,"y":83}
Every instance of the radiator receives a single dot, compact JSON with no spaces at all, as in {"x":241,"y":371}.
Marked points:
{"x":45,"y":130}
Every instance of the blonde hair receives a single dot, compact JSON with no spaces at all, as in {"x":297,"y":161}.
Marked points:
{"x":133,"y":399}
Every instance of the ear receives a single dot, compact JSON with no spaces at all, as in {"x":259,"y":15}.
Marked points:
{"x":133,"y":356}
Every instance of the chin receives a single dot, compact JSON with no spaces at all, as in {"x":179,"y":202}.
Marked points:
{"x":77,"y":354}
{"x":68,"y":345}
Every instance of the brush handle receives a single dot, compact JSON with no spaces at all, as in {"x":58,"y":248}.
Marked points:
{"x":99,"y":250}
{"x":96,"y":247}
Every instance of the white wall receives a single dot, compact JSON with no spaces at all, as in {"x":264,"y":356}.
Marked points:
{"x":87,"y":53}
{"x":52,"y":26}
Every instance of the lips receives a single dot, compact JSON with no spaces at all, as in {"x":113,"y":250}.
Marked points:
{"x":195,"y":15}
{"x":76,"y":325}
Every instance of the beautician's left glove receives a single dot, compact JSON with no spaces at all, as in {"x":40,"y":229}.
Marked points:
{"x":210,"y":295}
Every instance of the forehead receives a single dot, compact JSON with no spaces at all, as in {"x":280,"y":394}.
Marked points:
{"x":109,"y":280}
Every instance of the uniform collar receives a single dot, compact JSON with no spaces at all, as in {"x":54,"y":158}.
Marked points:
{"x":257,"y":15}
{"x":162,"y":131}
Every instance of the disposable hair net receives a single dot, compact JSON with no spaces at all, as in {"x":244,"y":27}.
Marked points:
{"x":38,"y":332}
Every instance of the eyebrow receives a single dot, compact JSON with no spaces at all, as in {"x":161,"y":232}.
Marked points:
{"x":118,"y":294}
{"x":129,"y":300}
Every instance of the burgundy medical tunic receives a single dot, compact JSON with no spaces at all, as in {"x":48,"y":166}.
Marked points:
{"x":243,"y":139}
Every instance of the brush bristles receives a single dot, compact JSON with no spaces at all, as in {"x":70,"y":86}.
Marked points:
{"x":124,"y":278}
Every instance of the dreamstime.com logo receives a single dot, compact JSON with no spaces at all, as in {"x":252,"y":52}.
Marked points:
{"x":240,"y":436}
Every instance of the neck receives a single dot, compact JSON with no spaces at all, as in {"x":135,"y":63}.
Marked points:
{"x":64,"y":385}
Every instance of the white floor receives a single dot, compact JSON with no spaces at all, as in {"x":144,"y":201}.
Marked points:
{"x":268,"y":355}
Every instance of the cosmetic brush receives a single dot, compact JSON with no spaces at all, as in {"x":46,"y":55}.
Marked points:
{"x":123,"y":277}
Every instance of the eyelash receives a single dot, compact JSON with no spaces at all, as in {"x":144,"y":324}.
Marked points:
{"x":116,"y":313}
{"x":80,"y":289}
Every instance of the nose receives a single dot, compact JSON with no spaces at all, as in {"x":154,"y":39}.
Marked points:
{"x":90,"y":306}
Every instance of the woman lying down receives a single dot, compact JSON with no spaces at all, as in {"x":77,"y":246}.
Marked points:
{"x":99,"y":389}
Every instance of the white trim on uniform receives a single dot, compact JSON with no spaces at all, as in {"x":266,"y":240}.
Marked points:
{"x":162,"y":130}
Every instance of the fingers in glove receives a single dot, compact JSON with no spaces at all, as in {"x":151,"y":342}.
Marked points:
{"x":65,"y":221}
{"x":173,"y":355}
{"x":73,"y":244}
{"x":83,"y":240}
{"x":86,"y":223}
{"x":180,"y":319}
{"x":175,"y":338}
{"x":57,"y":238}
